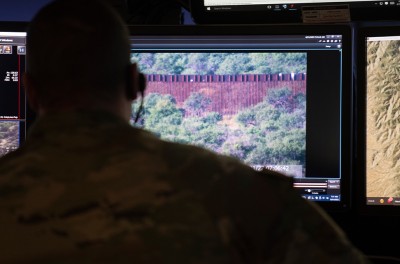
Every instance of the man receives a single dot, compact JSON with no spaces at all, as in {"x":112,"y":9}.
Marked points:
{"x":86,"y":187}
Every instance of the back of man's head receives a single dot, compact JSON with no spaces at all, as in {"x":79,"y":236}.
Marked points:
{"x":77,"y":50}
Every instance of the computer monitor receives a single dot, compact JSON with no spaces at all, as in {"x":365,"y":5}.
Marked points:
{"x":13,"y":110}
{"x":276,"y":97}
{"x":20,"y":10}
{"x":378,"y":165}
{"x":277,"y":11}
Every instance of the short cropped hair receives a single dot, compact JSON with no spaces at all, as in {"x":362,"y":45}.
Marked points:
{"x":77,"y":48}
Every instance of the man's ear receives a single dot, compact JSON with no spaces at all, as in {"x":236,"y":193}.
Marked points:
{"x":132,"y":82}
{"x":31,"y":91}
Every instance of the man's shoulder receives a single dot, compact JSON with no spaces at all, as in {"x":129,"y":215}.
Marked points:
{"x":198,"y":161}
{"x":227,"y":170}
{"x":200,"y":157}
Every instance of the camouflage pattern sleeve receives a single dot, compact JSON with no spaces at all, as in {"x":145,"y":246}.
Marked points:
{"x":265,"y":221}
{"x":87,"y":188}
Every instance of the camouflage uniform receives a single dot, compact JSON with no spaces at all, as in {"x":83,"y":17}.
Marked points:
{"x":89,"y":188}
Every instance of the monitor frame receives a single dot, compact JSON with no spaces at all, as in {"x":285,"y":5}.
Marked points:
{"x":360,"y":178}
{"x":248,"y":16}
{"x":13,"y":26}
{"x":347,"y":92}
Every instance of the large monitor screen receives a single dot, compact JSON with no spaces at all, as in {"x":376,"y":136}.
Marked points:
{"x":12,"y":96}
{"x":273,"y":97}
{"x":379,"y":129}
{"x":277,"y":11}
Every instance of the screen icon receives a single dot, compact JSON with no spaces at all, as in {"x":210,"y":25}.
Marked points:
{"x":21,"y":50}
{"x":7,"y":49}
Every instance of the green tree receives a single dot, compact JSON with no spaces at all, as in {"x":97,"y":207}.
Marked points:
{"x":279,"y":62}
{"x":204,"y":131}
{"x":288,"y":147}
{"x":281,"y":98}
{"x":161,"y":116}
{"x":235,"y":63}
{"x":145,"y":61}
{"x":197,"y":64}
{"x":246,"y":117}
{"x":197,"y":103}
{"x":238,"y":144}
{"x":169,"y":63}
{"x":277,"y":135}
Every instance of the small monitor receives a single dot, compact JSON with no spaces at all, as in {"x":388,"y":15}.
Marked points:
{"x":13,"y":110}
{"x":276,"y":97}
{"x":20,"y":10}
{"x":277,"y":11}
{"x":378,"y":85}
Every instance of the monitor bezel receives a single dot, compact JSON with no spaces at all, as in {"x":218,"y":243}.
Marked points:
{"x":201,"y":16}
{"x":10,"y":26}
{"x":345,"y":30}
{"x":16,"y":26}
{"x":360,"y":194}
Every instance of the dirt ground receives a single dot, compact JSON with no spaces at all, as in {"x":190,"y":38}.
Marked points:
{"x":378,"y":172}
{"x":383,"y":122}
